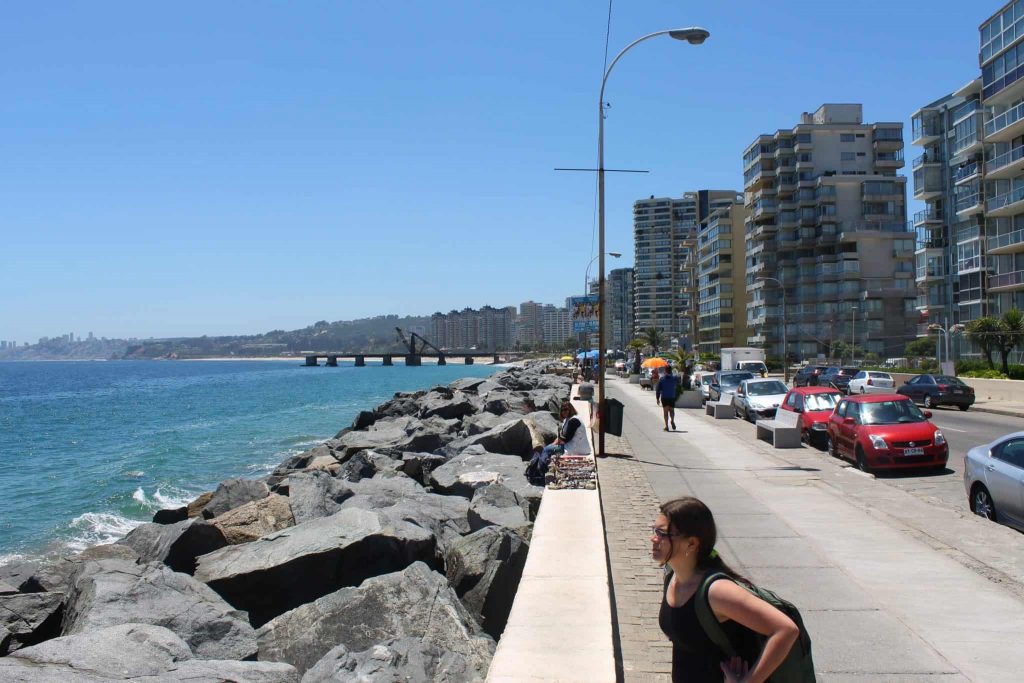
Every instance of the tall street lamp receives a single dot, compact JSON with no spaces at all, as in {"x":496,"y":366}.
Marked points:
{"x":785,"y":356}
{"x":946,"y":332}
{"x":694,"y":35}
{"x":853,"y":336}
{"x":586,"y":277}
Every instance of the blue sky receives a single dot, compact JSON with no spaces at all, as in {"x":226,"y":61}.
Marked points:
{"x":235,"y":167}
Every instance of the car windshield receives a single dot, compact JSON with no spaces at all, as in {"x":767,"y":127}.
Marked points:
{"x":706,"y":379}
{"x":766,"y":388}
{"x":820,"y":401}
{"x":890,"y":413}
{"x":733,"y":379}
{"x":945,"y":379}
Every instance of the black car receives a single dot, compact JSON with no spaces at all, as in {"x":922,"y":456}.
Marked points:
{"x":807,"y":376}
{"x":838,"y":377}
{"x":937,"y":390}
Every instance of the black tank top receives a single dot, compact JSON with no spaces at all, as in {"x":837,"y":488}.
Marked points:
{"x":695,"y":659}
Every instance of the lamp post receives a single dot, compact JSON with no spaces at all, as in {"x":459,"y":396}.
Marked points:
{"x":946,"y":331}
{"x":586,"y":292}
{"x":853,"y":336}
{"x":694,"y":35}
{"x":785,"y":357}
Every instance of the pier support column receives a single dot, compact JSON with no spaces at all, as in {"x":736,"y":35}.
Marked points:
{"x":469,"y":360}
{"x":332,"y":361}
{"x":311,"y":361}
{"x":387,"y":360}
{"x":360,"y":361}
{"x":496,"y":359}
{"x":441,"y":360}
{"x":413,"y":359}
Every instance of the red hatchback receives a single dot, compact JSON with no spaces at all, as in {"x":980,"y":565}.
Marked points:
{"x":883,"y":431}
{"x":815,"y":406}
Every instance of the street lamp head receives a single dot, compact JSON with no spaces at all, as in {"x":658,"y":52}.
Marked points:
{"x":615,"y":254}
{"x":694,"y":35}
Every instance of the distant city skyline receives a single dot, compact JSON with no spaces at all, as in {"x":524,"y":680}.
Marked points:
{"x":170,"y":174}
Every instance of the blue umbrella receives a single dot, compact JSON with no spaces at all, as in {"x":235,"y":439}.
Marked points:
{"x":592,"y":354}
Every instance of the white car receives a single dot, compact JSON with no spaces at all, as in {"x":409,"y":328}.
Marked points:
{"x":993,"y":474}
{"x":758,"y":398}
{"x":872,"y":382}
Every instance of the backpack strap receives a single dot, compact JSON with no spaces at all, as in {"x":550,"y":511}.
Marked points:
{"x":708,"y":621}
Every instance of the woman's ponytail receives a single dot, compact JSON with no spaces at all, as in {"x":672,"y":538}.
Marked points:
{"x":691,"y":517}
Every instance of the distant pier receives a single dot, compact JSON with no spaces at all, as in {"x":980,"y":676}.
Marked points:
{"x":411,"y":359}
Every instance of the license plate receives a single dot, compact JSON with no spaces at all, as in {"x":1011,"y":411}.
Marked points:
{"x":958,"y":391}
{"x":913,"y":451}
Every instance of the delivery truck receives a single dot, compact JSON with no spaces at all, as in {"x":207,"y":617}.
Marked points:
{"x":744,"y":358}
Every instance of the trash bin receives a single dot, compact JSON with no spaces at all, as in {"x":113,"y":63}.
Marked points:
{"x":586,"y":392}
{"x":612,"y":417}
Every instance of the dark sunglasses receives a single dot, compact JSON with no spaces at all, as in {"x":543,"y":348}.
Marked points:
{"x":661,"y":533}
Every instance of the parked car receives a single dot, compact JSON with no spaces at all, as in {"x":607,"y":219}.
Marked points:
{"x":755,"y":366}
{"x":815,"y":406}
{"x":993,"y":478}
{"x":758,"y":398}
{"x":871,"y":382}
{"x":838,"y":377}
{"x":807,"y":376}
{"x":646,"y":381}
{"x":726,"y":382}
{"x":703,"y":382}
{"x":883,"y":431}
{"x":937,"y":390}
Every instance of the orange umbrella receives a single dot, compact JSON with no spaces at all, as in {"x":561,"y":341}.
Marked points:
{"x":654,"y":363}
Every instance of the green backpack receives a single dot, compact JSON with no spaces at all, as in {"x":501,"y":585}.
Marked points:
{"x":797,"y":667}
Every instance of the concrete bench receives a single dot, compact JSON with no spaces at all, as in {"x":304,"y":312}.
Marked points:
{"x":783,"y":431}
{"x":721,"y":409}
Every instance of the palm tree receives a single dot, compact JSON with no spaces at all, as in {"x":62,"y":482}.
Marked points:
{"x":681,"y":360}
{"x":1011,"y":335}
{"x":654,"y":338}
{"x":637,"y":345}
{"x":984,"y":332}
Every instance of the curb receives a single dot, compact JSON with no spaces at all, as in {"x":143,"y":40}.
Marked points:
{"x":1008,"y":412}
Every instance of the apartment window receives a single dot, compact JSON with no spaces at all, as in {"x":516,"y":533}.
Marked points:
{"x":849,"y":156}
{"x":860,"y":135}
{"x":804,"y":156}
{"x":846,"y":137}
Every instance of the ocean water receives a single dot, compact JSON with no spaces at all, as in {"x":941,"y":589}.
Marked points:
{"x":89,"y":450}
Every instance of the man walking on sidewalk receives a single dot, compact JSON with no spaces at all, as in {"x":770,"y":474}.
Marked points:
{"x":665,"y":394}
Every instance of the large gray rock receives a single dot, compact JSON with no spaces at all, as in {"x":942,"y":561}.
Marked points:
{"x":312,"y":495}
{"x":420,"y":465}
{"x":498,"y":505}
{"x":54,"y":575}
{"x":233,"y":493}
{"x":543,"y":427}
{"x":253,"y":520}
{"x":415,"y":603}
{"x":292,"y":567}
{"x":485,"y":568}
{"x":467,"y":384}
{"x":405,"y":660}
{"x":455,"y":407}
{"x":18,"y":573}
{"x":364,"y":419}
{"x":475,"y":467}
{"x":486,"y":421}
{"x":509,"y":438}
{"x":111,"y":592}
{"x":29,"y":618}
{"x":366,"y":464}
{"x":388,"y":435}
{"x":137,"y":652}
{"x":176,"y":545}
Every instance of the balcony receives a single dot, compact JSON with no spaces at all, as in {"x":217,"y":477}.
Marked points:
{"x":1010,"y":243}
{"x":966,"y":172}
{"x":971,"y":232}
{"x":937,"y":243}
{"x":764,"y":208}
{"x":925,"y":273}
{"x":970,"y":205}
{"x":890,"y":159}
{"x":1005,"y":204}
{"x":1005,"y":89}
{"x":927,"y":183}
{"x":929,"y":215}
{"x":927,"y":159}
{"x":925,"y":131}
{"x":1005,"y":165}
{"x":1006,"y":126}
{"x":1006,"y":282}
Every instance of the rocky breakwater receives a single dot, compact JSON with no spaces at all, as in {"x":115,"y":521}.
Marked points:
{"x":391,"y":552}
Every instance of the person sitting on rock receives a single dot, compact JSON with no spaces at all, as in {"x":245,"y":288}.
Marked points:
{"x":571,"y":439}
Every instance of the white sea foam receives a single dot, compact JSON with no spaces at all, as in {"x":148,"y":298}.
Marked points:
{"x":98,"y":528}
{"x":163,"y":497}
{"x":6,"y":558}
{"x":139,"y":496}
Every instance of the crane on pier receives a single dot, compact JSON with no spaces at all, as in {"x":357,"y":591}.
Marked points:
{"x":415,"y":351}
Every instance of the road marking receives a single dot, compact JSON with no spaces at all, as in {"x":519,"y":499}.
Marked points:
{"x":954,"y":429}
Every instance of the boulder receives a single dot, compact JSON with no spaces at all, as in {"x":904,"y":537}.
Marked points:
{"x":312,"y":495}
{"x":467,"y":384}
{"x":297,"y":565}
{"x":224,"y":671}
{"x":29,"y":618}
{"x":404,"y":659}
{"x":327,"y":463}
{"x":483,"y":422}
{"x":485,"y":568}
{"x":419,"y":465}
{"x":453,"y":407}
{"x":366,"y":464}
{"x":497,"y":406}
{"x":475,"y":467}
{"x":111,"y":592}
{"x":543,"y":428}
{"x":195,"y":508}
{"x":403,"y":405}
{"x":18,"y":573}
{"x":510,"y":438}
{"x":497,"y":505}
{"x":255,"y":519}
{"x":55,"y":574}
{"x":377,"y":438}
{"x":234,"y":493}
{"x":414,"y":603}
{"x":364,"y":419}
{"x":6,"y":588}
{"x":176,"y":545}
{"x":171,"y":515}
{"x":547,"y":400}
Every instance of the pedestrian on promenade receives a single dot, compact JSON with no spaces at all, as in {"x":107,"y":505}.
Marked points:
{"x":684,"y":538}
{"x":665,"y":395}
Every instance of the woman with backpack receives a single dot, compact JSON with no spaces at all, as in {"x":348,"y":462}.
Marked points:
{"x":720,"y":630}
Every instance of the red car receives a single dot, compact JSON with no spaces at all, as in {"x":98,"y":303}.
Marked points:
{"x":815,"y":406}
{"x":883,"y":431}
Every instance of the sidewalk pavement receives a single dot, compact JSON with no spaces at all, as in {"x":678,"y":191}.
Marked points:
{"x":891,"y":589}
{"x":1011,"y":408}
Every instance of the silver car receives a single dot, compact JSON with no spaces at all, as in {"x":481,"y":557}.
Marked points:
{"x":758,"y":398}
{"x":994,"y":480}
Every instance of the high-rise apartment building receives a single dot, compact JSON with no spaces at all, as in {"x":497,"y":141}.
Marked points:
{"x":664,"y":233}
{"x":827,"y":220}
{"x":556,"y":324}
{"x":530,"y":324}
{"x":489,"y":329}
{"x":721,"y":278}
{"x":619,"y":308}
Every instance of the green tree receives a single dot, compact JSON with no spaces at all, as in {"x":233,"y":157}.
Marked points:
{"x":984,"y":332}
{"x":1011,"y":335}
{"x":570,"y":344}
{"x":637,"y":345}
{"x":923,"y":346}
{"x":654,"y":338}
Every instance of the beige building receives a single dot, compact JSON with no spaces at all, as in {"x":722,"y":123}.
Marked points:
{"x":827,"y":220}
{"x":720,"y":279}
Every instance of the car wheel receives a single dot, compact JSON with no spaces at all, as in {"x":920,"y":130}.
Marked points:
{"x":982,"y":503}
{"x":830,"y":446}
{"x":862,"y":461}
{"x":862,"y":390}
{"x":963,"y":408}
{"x":928,"y":403}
